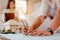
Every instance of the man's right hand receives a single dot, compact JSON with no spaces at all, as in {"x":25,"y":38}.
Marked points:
{"x":30,"y":29}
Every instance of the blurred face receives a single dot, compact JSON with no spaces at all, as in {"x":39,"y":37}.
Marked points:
{"x":12,"y":5}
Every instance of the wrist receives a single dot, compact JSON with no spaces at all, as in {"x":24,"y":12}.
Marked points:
{"x":50,"y":30}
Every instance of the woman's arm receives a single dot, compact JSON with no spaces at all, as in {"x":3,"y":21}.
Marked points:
{"x":3,"y":17}
{"x":16,"y":16}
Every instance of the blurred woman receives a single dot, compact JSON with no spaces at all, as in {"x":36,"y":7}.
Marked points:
{"x":10,"y":9}
{"x":14,"y":14}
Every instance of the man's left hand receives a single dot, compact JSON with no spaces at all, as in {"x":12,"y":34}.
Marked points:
{"x":41,"y":33}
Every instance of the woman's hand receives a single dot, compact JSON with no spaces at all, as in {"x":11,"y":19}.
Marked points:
{"x":41,"y":33}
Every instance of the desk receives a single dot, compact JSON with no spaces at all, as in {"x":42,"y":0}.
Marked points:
{"x":56,"y":36}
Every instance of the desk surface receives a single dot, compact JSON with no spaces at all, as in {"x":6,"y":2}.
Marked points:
{"x":56,"y":36}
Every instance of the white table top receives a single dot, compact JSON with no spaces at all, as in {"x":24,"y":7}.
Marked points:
{"x":56,"y":36}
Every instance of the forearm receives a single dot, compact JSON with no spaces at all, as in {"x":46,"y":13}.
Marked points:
{"x":38,"y":22}
{"x":56,"y":21}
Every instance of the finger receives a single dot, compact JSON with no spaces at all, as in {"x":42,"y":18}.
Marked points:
{"x":43,"y":34}
{"x":30,"y":30}
{"x":24,"y":31}
{"x":39,"y":33}
{"x":34,"y":33}
{"x":46,"y":34}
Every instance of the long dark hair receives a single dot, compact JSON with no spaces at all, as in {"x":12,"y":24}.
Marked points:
{"x":9,"y":4}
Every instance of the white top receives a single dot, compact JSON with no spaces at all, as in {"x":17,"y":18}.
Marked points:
{"x":37,"y":5}
{"x":41,"y":11}
{"x":8,"y":11}
{"x":54,"y":3}
{"x":45,"y":6}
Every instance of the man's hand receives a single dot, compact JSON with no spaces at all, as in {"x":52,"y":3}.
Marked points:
{"x":30,"y":29}
{"x":24,"y":30}
{"x":41,"y":33}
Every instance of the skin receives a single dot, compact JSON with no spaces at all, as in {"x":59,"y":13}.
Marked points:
{"x":37,"y":23}
{"x":11,"y":5}
{"x":54,"y":26}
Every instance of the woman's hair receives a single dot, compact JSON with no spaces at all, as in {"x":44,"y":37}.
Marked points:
{"x":9,"y":4}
